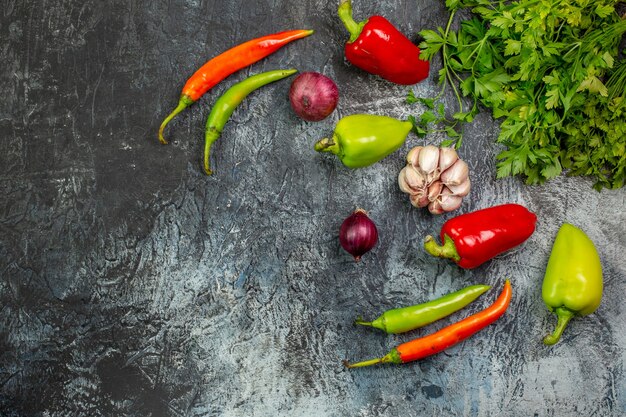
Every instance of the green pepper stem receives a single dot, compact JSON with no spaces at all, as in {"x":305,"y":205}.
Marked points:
{"x":564,"y":315}
{"x":379,"y":323}
{"x":184,"y":102}
{"x":210,"y":136}
{"x":446,"y":251}
{"x":345,"y":14}
{"x":327,"y":145}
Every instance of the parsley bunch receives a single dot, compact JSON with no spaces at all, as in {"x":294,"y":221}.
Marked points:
{"x":551,"y":70}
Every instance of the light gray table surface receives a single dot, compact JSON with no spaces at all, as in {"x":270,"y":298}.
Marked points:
{"x":132,"y":284}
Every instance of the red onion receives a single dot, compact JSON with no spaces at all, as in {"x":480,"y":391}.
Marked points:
{"x":358,"y":234}
{"x":313,"y":96}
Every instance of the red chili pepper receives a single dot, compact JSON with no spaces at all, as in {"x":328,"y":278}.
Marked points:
{"x":473,"y":238}
{"x":377,"y":47}
{"x":220,"y":67}
{"x":446,"y":337}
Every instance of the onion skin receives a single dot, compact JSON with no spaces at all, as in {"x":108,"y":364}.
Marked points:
{"x":358,"y":234}
{"x":313,"y":96}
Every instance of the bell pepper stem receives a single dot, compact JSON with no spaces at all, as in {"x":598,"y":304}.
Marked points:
{"x":327,"y":145}
{"x":345,"y":14}
{"x":447,"y":250}
{"x":184,"y":102}
{"x":564,"y":316}
{"x":211,"y":135}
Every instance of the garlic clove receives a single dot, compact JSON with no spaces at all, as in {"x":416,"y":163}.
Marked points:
{"x":456,"y":174}
{"x":428,"y":159}
{"x":435,"y":208}
{"x":420,"y":199}
{"x":414,"y":178}
{"x":434,"y":190}
{"x":448,"y":201}
{"x":404,"y":187}
{"x":413,"y":155}
{"x":447,"y":157}
{"x":462,"y":189}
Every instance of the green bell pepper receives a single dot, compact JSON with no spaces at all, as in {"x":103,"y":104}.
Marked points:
{"x":360,"y":140}
{"x":572,"y":285}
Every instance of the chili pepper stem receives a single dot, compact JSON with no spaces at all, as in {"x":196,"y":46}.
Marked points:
{"x":391,"y":357}
{"x":564,"y":315}
{"x":184,"y":102}
{"x":379,"y":323}
{"x":345,"y":14}
{"x":447,"y":250}
{"x":327,"y":145}
{"x":363,"y":363}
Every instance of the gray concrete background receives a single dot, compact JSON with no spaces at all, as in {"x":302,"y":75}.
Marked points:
{"x":132,"y":284}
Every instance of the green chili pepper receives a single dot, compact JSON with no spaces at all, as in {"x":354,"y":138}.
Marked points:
{"x":400,"y":320}
{"x":573,"y":282}
{"x":228,"y":102}
{"x":363,"y":139}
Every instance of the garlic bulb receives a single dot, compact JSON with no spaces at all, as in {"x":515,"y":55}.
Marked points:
{"x":435,"y":178}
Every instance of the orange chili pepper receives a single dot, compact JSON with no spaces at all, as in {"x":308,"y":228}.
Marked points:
{"x":446,"y":337}
{"x":220,"y":67}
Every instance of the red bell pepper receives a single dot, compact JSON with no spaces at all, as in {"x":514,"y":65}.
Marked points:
{"x":377,"y":47}
{"x":473,"y":238}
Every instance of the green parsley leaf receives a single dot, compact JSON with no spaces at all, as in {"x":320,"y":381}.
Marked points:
{"x":513,"y":47}
{"x":551,"y":71}
{"x":428,"y":117}
{"x":604,"y":10}
{"x":552,"y":96}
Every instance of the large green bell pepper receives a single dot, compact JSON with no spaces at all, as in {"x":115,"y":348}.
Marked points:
{"x":360,"y":140}
{"x":572,"y":285}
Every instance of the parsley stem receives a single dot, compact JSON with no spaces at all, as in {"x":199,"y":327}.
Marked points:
{"x":448,"y":69}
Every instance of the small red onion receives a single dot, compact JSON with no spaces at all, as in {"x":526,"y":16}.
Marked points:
{"x":313,"y":96}
{"x":358,"y":234}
